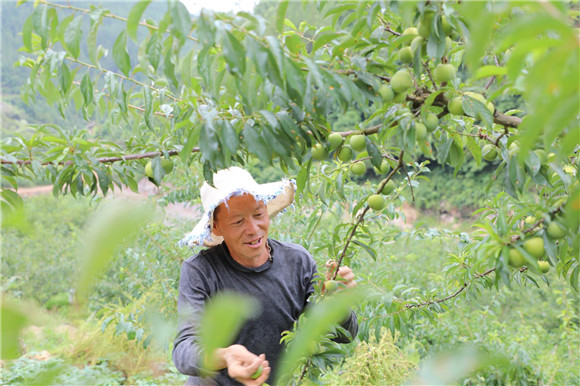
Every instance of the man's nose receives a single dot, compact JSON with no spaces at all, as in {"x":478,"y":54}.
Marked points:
{"x":252,"y":226}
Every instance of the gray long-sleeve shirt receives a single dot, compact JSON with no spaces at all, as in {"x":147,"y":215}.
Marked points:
{"x":281,"y":286}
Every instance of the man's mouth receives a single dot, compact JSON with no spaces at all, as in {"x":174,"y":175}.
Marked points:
{"x":255,"y":242}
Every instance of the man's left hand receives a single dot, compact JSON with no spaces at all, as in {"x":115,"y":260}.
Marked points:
{"x":345,"y":275}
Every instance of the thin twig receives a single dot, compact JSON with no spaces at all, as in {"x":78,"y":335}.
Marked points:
{"x":409,"y":179}
{"x":461,"y":289}
{"x":303,"y":372}
{"x":426,"y":67}
{"x":505,"y":132}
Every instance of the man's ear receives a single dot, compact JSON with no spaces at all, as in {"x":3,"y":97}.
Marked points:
{"x":215,"y":228}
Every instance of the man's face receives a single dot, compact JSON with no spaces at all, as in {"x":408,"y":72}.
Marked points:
{"x":243,"y":224}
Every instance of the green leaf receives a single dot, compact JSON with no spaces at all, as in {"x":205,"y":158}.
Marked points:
{"x":208,"y":142}
{"x":96,"y":16}
{"x":64,"y":78}
{"x":181,"y":19}
{"x":368,"y":249}
{"x":487,"y":71}
{"x":27,"y":33}
{"x":474,"y":149}
{"x":40,"y":23}
{"x":256,"y":144}
{"x":281,"y":15}
{"x":374,"y":152}
{"x":148,"y":101}
{"x":135,"y":17}
{"x":120,"y":54}
{"x":293,"y":43}
{"x":324,"y":38}
{"x":153,"y":51}
{"x":302,"y":178}
{"x":87,"y":88}
{"x":72,"y":37}
{"x":228,"y":136}
{"x":235,"y":54}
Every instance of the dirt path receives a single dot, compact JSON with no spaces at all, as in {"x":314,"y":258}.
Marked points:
{"x":146,"y":190}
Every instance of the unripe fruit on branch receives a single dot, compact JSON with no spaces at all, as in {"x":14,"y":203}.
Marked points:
{"x":388,"y":188}
{"x":387,"y":93}
{"x":426,"y":22}
{"x":345,"y":153}
{"x":555,"y":231}
{"x":516,"y":259}
{"x":167,"y":165}
{"x":455,"y":106}
{"x":357,"y":142}
{"x":149,"y":169}
{"x":334,"y":140}
{"x":319,"y":152}
{"x":513,"y":149}
{"x":416,"y":43}
{"x":331,"y":285}
{"x":385,"y":167}
{"x":535,"y":246}
{"x":420,"y":131}
{"x":431,"y":121}
{"x":401,"y":81}
{"x":476,"y":96}
{"x":544,"y":266}
{"x":411,"y":31}
{"x":405,"y":55}
{"x":444,"y":73}
{"x":400,"y":97}
{"x":376,"y":202}
{"x":358,"y":168}
{"x":489,"y":152}
{"x":447,"y":29}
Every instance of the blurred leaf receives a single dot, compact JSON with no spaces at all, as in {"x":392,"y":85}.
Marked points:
{"x":446,"y":368}
{"x":281,"y":15}
{"x":72,"y":37}
{"x":487,"y":71}
{"x":120,"y":54}
{"x":135,"y":17}
{"x":13,"y":320}
{"x":318,"y":320}
{"x":114,"y":224}
{"x":222,"y":320}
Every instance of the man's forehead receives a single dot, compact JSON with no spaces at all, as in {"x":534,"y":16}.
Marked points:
{"x":243,"y":200}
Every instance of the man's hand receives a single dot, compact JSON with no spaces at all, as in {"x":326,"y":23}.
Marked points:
{"x":242,"y":364}
{"x":345,"y":275}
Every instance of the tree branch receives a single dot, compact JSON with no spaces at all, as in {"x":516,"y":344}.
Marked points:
{"x":461,"y":289}
{"x":105,"y":160}
{"x":362,"y":215}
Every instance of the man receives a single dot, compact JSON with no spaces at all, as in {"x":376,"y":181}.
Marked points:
{"x":241,"y":258}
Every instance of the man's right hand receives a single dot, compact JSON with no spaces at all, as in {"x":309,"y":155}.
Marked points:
{"x":242,"y":364}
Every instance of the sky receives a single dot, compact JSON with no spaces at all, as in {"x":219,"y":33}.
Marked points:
{"x":194,"y":6}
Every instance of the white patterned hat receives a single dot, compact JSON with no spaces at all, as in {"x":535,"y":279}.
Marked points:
{"x":232,"y":182}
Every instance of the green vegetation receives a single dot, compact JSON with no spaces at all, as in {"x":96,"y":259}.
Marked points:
{"x":473,"y":106}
